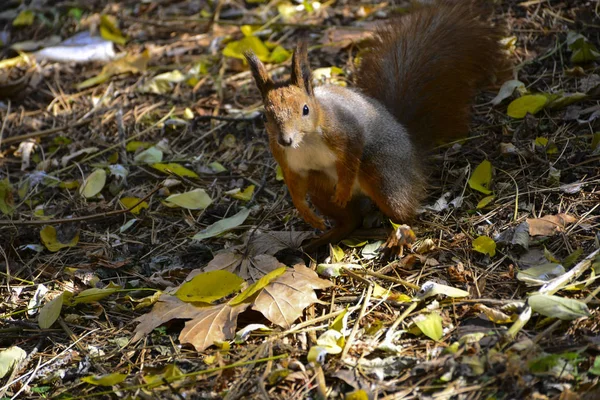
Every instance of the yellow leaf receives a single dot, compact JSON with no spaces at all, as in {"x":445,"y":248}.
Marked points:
{"x":209,"y":286}
{"x":110,"y":31}
{"x":485,"y":245}
{"x":50,"y":312}
{"x":69,"y":185}
{"x":104,"y":380}
{"x":531,"y":104}
{"x":217,"y":167}
{"x":134,"y":63}
{"x":248,"y":30}
{"x":7,"y":201}
{"x":188,"y":114}
{"x":481,"y":177}
{"x":548,"y":146}
{"x":485,"y":201}
{"x":176,"y":169}
{"x":134,"y":145}
{"x":129,"y":202}
{"x":236,"y":49}
{"x":25,"y":18}
{"x":257,"y":286}
{"x":279,"y":55}
{"x":94,"y":183}
{"x":95,"y":294}
{"x":49,"y":239}
{"x":357,"y":395}
{"x":244,"y":195}
{"x":430,"y":325}
{"x":279,"y":173}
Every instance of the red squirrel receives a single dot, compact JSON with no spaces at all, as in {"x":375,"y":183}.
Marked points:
{"x":414,"y":89}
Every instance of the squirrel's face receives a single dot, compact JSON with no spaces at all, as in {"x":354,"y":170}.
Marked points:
{"x":291,"y":115}
{"x":291,"y":109}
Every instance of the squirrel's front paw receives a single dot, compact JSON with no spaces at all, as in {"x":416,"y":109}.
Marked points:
{"x":314,"y":220}
{"x":341,"y":199}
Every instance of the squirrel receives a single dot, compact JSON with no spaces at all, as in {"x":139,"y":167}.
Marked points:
{"x":414,"y":88}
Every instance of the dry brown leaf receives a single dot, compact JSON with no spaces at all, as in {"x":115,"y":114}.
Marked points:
{"x":340,"y":37}
{"x":206,"y":325}
{"x":211,"y":324}
{"x":549,"y":224}
{"x":250,"y":268}
{"x":284,"y":299}
{"x":255,"y":259}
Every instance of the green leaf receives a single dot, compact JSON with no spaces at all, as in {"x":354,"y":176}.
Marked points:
{"x":50,"y":312}
{"x":223,"y":225}
{"x":532,"y":104}
{"x":9,"y":358}
{"x":330,"y":341}
{"x":583,"y":50}
{"x":559,"y":101}
{"x":558,"y":307}
{"x":209,"y":286}
{"x":354,"y":242}
{"x":170,"y":371}
{"x":136,"y":144}
{"x":217,"y":167}
{"x":151,"y":155}
{"x":485,"y":245}
{"x":162,"y":83}
{"x":104,"y":380}
{"x":541,"y":274}
{"x":50,"y":239}
{"x":594,"y":369}
{"x":279,"y":55}
{"x":25,"y":18}
{"x":95,"y":294}
{"x":507,"y":90}
{"x":236,"y":49}
{"x":175,"y":169}
{"x":572,"y":258}
{"x":429,"y":289}
{"x":93,"y":184}
{"x":430,"y":325}
{"x":485,"y":201}
{"x":7,"y":201}
{"x":481,"y":178}
{"x":257,"y":286}
{"x":196,"y":199}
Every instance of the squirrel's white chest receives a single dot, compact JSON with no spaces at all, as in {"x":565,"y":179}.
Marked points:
{"x":311,"y":155}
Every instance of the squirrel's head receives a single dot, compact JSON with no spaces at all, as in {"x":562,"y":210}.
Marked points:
{"x":290,"y":108}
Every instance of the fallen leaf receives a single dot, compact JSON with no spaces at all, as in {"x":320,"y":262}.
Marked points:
{"x":249,"y":267}
{"x":207,"y":324}
{"x":485,"y":245}
{"x":558,"y":307}
{"x":9,"y":358}
{"x":133,"y":63}
{"x":528,"y":104}
{"x":283,"y":300}
{"x":7,"y":201}
{"x":244,"y":195}
{"x":95,"y":294}
{"x":481,"y":178}
{"x":49,"y":238}
{"x":94,"y":183}
{"x":430,"y":288}
{"x":496,"y":316}
{"x":549,"y":224}
{"x":152,"y":155}
{"x":257,"y":286}
{"x":50,"y":312}
{"x":175,"y":169}
{"x":104,"y":380}
{"x":540,"y":274}
{"x":110,"y":31}
{"x":129,"y":202}
{"x":223,"y":225}
{"x":507,"y":90}
{"x":430,"y":325}
{"x":208,"y":287}
{"x":196,"y":199}
{"x":25,"y":18}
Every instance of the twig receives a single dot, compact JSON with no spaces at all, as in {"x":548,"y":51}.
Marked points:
{"x":45,"y":132}
{"x":78,"y":219}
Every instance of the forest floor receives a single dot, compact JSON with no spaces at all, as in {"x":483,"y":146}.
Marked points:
{"x":150,"y":249}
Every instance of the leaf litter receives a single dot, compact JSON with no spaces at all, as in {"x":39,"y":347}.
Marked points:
{"x":154,"y":105}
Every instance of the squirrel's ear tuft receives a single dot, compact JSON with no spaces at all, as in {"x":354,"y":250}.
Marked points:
{"x":259,"y":72}
{"x":301,"y":75}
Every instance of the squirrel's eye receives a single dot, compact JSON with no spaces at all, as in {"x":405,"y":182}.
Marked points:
{"x":305,"y":110}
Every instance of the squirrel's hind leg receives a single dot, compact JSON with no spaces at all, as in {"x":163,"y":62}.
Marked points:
{"x":346,"y":219}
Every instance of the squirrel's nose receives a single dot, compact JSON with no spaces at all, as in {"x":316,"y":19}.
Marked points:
{"x":285,"y":142}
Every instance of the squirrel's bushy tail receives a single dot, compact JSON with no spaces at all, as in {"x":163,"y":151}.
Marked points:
{"x":425,"y":67}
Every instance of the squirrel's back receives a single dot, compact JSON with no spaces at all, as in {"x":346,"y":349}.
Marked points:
{"x":425,"y":67}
